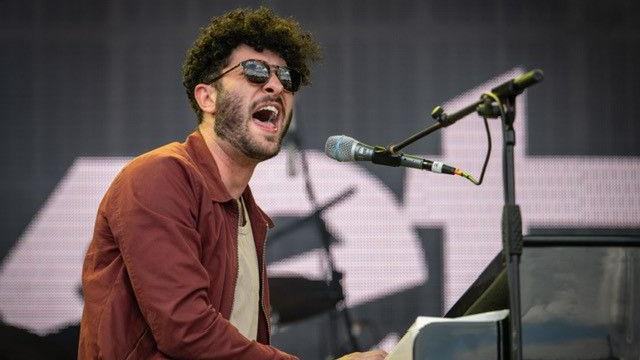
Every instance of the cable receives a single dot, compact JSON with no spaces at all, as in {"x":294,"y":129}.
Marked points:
{"x":467,"y":175}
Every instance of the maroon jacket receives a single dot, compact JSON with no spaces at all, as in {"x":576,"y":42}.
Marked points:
{"x":159,"y":276}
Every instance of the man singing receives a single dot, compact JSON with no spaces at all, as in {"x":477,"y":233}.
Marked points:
{"x":176,"y":266}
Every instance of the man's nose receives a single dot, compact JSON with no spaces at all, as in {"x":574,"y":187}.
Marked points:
{"x":273,"y":85}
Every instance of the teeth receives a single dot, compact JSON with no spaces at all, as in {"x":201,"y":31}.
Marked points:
{"x":273,"y":110}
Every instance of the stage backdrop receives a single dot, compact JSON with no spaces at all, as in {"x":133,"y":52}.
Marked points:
{"x":85,"y":86}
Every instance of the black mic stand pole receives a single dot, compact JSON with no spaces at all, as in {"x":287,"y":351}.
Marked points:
{"x":511,"y":217}
{"x":511,"y":226}
{"x":335,"y":282}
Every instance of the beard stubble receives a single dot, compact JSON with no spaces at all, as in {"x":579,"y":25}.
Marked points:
{"x":232,"y":124}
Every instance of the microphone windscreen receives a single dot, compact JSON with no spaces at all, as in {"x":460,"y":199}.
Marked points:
{"x":340,"y":147}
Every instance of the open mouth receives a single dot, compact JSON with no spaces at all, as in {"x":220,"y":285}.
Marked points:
{"x":267,"y":117}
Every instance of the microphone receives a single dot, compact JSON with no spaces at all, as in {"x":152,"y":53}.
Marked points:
{"x":344,"y":148}
{"x":517,"y":85}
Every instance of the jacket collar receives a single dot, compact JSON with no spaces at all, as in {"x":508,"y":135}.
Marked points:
{"x":199,"y":152}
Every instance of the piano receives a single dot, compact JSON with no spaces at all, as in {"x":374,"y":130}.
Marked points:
{"x":580,"y":299}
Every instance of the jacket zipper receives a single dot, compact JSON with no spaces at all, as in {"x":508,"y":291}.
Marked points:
{"x":262,"y":285}
{"x":235,"y":282}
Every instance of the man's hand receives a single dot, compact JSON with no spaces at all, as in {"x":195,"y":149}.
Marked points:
{"x":369,"y":355}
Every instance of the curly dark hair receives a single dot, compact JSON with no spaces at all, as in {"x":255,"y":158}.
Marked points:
{"x":261,"y":29}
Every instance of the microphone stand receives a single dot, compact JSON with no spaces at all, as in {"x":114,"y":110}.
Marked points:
{"x":511,"y":227}
{"x":511,"y":216}
{"x":335,"y":281}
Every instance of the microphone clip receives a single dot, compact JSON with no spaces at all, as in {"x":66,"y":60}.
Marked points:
{"x":384,"y":156}
{"x":488,"y":108}
{"x":441,"y":117}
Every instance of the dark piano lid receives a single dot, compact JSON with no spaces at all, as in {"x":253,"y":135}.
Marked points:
{"x":490,"y":292}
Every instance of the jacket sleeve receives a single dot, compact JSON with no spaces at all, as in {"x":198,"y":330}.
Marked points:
{"x":154,"y":222}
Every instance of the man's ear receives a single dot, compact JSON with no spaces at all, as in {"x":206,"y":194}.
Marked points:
{"x":205,"y":96}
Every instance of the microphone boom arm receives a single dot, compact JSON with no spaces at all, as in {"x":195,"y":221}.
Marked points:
{"x":484,"y":107}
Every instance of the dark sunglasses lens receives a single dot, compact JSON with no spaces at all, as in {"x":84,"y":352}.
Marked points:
{"x":256,"y":71}
{"x":290,"y":79}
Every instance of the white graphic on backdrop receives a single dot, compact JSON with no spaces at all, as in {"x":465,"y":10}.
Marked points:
{"x":379,"y":250}
{"x":40,"y":277}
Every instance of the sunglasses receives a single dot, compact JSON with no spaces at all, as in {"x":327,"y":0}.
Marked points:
{"x":259,"y":72}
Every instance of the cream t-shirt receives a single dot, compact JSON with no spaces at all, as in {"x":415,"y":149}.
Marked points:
{"x":244,"y":314}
